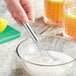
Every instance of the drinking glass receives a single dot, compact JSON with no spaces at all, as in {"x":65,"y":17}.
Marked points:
{"x":53,"y":12}
{"x":70,"y":19}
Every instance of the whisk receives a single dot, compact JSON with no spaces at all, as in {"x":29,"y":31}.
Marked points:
{"x":44,"y":54}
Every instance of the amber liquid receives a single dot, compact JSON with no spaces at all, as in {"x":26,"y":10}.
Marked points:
{"x":53,"y":12}
{"x":70,"y":22}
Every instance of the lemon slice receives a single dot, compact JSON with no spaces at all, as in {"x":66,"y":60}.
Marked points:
{"x":3,"y":24}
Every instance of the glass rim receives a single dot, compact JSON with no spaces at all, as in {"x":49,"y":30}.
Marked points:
{"x":61,"y":64}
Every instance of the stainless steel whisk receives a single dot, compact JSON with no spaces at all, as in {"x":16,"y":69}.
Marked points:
{"x":44,"y":54}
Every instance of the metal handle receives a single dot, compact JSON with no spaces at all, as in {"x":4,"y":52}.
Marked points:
{"x":31,"y":32}
{"x":43,"y":52}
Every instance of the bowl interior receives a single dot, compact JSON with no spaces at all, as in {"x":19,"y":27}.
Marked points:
{"x":58,"y":47}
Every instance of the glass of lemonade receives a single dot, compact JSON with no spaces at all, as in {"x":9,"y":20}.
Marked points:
{"x":53,"y":12}
{"x":70,"y":18}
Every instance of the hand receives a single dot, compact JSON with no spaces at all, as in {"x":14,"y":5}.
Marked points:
{"x":21,"y":10}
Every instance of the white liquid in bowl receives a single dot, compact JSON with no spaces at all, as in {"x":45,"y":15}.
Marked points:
{"x":60,"y":70}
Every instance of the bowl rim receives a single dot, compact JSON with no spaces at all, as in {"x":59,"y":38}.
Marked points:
{"x":44,"y":64}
